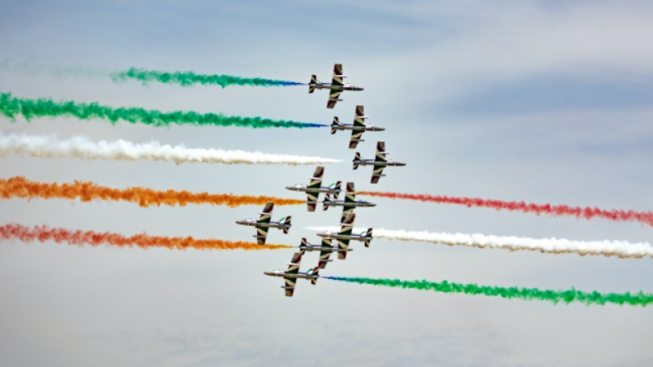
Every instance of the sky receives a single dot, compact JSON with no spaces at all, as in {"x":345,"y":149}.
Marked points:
{"x":540,"y":101}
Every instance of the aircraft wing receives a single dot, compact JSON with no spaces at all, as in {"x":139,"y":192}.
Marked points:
{"x":316,"y":180}
{"x":337,"y":75}
{"x":261,"y":235}
{"x":343,"y":244}
{"x":289,"y":286}
{"x":325,"y":254}
{"x":377,"y":173}
{"x":380,"y":152}
{"x":310,"y":204}
{"x":355,"y":138}
{"x":334,"y":97}
{"x":345,"y":212}
{"x":266,"y":215}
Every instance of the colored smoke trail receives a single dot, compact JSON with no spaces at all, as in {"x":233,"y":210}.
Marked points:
{"x":620,"y":249}
{"x":34,"y":108}
{"x":81,"y":238}
{"x":188,"y":78}
{"x":19,"y":187}
{"x":82,"y":148}
{"x":553,"y":210}
{"x":568,"y":296}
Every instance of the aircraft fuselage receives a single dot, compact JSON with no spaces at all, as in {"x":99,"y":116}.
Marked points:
{"x":358,"y":128}
{"x":337,"y":236}
{"x":326,"y":249}
{"x":335,"y":87}
{"x":282,"y":274}
{"x":253,"y":223}
{"x":372,"y":162}
{"x":305,"y":188}
{"x":349,"y":204}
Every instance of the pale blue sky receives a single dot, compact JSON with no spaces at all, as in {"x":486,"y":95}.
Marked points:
{"x":517,"y":100}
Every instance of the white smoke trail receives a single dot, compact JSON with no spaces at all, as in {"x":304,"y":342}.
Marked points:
{"x":82,"y":148}
{"x":621,"y":249}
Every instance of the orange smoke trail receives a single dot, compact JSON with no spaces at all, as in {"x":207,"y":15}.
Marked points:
{"x":20,"y":187}
{"x":81,"y":238}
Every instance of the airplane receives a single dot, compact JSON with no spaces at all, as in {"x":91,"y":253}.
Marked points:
{"x":357,"y":128}
{"x":349,"y":204}
{"x":345,"y":235}
{"x":325,"y":250}
{"x":264,"y":222}
{"x":314,"y":188}
{"x":379,"y":163}
{"x":291,"y":274}
{"x":335,"y":88}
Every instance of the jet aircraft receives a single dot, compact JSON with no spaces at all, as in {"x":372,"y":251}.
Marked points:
{"x":345,"y":235}
{"x":335,"y":88}
{"x":349,"y":204}
{"x":357,"y":128}
{"x":314,"y":188}
{"x":325,"y":250}
{"x":291,"y":274}
{"x":264,"y":222}
{"x":379,"y":163}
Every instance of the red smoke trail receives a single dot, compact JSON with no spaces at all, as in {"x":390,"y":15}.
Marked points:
{"x":554,"y":210}
{"x":80,"y":238}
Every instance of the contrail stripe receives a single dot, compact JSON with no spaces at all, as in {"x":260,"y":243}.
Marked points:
{"x":45,"y":107}
{"x":568,"y":296}
{"x":188,"y":78}
{"x":620,"y":249}
{"x":82,"y":148}
{"x":20,"y":187}
{"x":617,"y":215}
{"x":81,"y":238}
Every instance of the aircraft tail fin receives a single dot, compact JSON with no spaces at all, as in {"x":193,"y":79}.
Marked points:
{"x":327,"y":199}
{"x":368,"y":240}
{"x":287,"y":224}
{"x":337,"y":187}
{"x":311,"y":84}
{"x":334,"y":124}
{"x":304,"y":243}
{"x":316,"y":272}
{"x":357,"y":159}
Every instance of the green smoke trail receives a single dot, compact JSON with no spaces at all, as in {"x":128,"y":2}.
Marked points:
{"x":33,"y":108}
{"x":568,"y":296}
{"x":187,"y":78}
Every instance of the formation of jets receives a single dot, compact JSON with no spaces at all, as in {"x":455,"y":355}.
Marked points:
{"x":331,"y":241}
{"x":336,"y":86}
